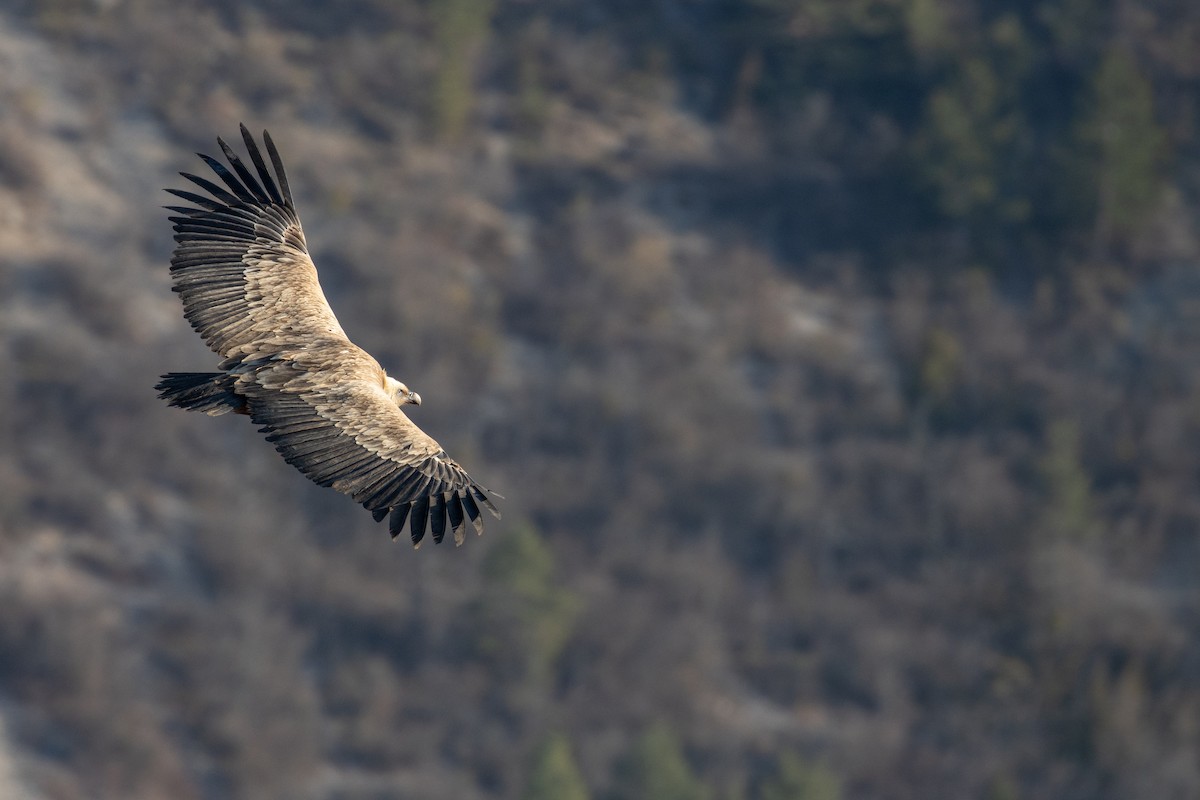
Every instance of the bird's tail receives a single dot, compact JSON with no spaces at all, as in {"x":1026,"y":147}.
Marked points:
{"x":210,"y":392}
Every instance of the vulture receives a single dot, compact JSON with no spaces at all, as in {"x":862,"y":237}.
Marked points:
{"x":249,"y":288}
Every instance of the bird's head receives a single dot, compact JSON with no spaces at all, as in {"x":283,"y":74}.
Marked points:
{"x":402,"y":394}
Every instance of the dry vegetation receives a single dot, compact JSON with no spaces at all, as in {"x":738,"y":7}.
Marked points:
{"x":838,"y":360}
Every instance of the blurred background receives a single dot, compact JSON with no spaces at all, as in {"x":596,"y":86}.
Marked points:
{"x":839,"y":361}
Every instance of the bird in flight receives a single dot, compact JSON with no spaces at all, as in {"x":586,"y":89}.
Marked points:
{"x":250,"y":289}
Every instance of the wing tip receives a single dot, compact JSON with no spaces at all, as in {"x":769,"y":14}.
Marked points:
{"x":480,"y":494}
{"x":437,"y":514}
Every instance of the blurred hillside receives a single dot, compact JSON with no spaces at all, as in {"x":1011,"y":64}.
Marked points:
{"x":839,"y":361}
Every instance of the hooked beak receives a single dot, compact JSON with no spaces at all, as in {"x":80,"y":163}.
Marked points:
{"x":414,"y":398}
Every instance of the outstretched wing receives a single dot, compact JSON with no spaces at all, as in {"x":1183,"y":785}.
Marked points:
{"x":240,"y":265}
{"x":328,"y":415}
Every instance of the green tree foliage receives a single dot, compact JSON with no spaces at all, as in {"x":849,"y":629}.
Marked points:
{"x":865,"y":16}
{"x":460,"y":29}
{"x":656,"y":767}
{"x":1002,"y":787}
{"x":1078,"y":27}
{"x":971,"y":139}
{"x":927,"y":28}
{"x":959,"y":151}
{"x":532,"y":100}
{"x":941,"y":362}
{"x":1126,"y":143}
{"x":524,"y":615}
{"x":797,"y":779}
{"x":554,"y":775}
{"x":1067,"y":511}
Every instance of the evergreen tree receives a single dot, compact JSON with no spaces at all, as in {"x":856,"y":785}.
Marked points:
{"x":1067,"y":511}
{"x":524,"y":616}
{"x":1126,"y":143}
{"x":979,"y":137}
{"x":656,"y":767}
{"x":460,"y":27}
{"x":796,"y":779}
{"x":554,"y":775}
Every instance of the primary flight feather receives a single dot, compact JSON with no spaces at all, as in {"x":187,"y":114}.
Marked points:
{"x":250,"y":289}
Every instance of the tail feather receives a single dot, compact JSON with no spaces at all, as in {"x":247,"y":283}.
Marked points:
{"x":210,"y":392}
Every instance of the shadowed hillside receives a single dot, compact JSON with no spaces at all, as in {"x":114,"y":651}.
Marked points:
{"x":839,"y":361}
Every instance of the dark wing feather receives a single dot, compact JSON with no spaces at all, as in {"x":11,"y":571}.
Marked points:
{"x":437,"y":518}
{"x":263,"y":174}
{"x":216,"y":191}
{"x":454,"y":510}
{"x":472,"y":512}
{"x":396,"y":522}
{"x":240,"y":191}
{"x":420,"y":513}
{"x":247,"y":179}
{"x":277,"y":162}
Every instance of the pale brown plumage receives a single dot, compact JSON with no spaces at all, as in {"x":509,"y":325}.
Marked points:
{"x":250,"y":289}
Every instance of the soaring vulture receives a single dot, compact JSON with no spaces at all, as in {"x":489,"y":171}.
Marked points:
{"x":250,"y":289}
